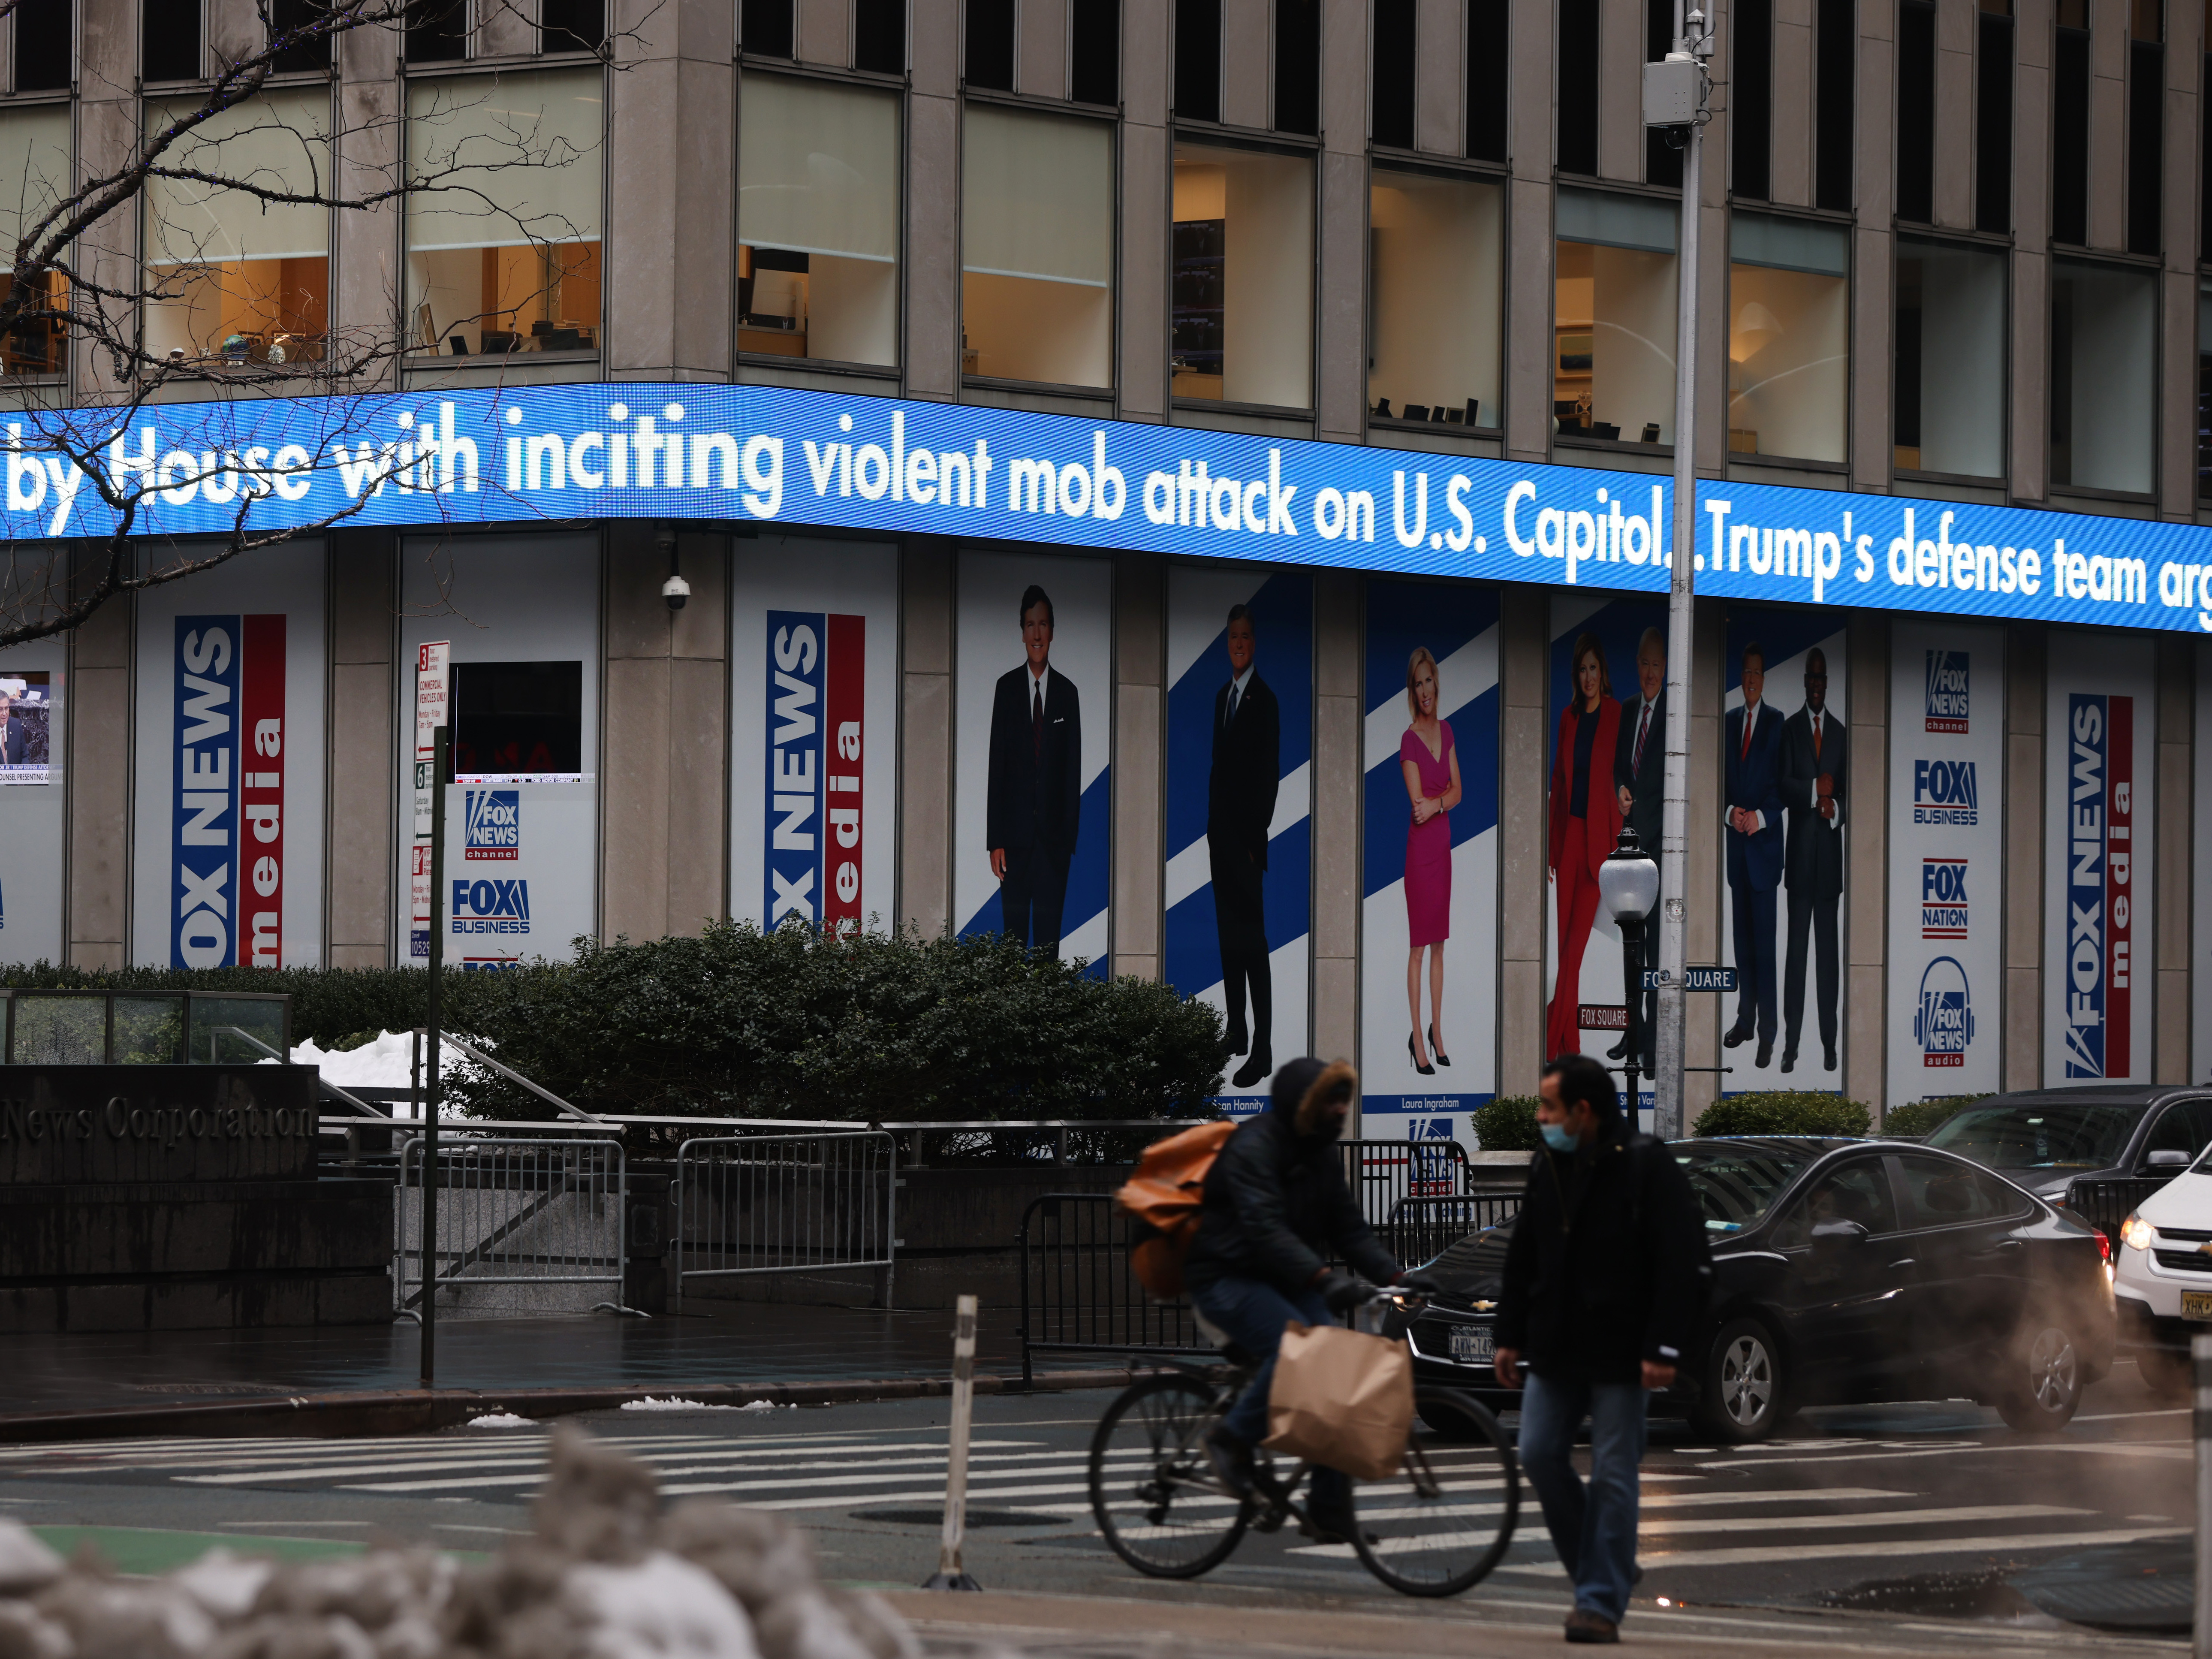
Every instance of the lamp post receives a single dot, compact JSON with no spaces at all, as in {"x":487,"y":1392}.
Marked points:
{"x":1628,"y":886}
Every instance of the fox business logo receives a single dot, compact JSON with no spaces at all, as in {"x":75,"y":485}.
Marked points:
{"x":1943,"y":898}
{"x":1943,"y":1024}
{"x":1947,"y":692}
{"x":491,"y":907}
{"x":1945,"y":791}
{"x":493,"y":823}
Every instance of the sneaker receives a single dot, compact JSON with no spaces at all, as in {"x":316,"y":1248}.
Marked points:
{"x":1231,"y":1460}
{"x":1591,"y":1627}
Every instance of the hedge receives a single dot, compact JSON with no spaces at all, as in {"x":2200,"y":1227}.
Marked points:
{"x":787,"y":1023}
{"x":1507,"y":1124}
{"x":1783,"y":1112}
{"x":1921,"y":1117}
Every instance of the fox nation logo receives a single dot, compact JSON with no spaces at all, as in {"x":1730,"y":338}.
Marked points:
{"x":1943,"y":1024}
{"x":1943,"y":912}
{"x":492,"y":819}
{"x":1947,"y":692}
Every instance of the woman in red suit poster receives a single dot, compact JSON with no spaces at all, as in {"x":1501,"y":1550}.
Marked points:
{"x":1432,"y":766}
{"x":1585,"y":821}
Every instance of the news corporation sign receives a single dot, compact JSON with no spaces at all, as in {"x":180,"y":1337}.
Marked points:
{"x":772,"y":455}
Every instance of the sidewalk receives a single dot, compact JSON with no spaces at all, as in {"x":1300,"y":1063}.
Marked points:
{"x":49,"y":1372}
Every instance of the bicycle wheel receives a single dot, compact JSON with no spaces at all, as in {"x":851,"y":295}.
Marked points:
{"x":1443,"y":1521}
{"x":1158,"y":1500}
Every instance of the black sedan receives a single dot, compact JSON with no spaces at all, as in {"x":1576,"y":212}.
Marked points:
{"x":2047,"y":1138}
{"x":1845,"y":1271}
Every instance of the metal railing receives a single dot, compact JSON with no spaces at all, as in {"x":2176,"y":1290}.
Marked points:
{"x":447,"y":1040}
{"x":1382,"y":1174}
{"x":253,"y":1042}
{"x":749,"y":1205}
{"x":1421,"y":1228}
{"x":517,"y":1221}
{"x":2105,"y":1203}
{"x":1078,"y":1295}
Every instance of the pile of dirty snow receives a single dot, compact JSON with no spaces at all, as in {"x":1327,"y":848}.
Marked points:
{"x":384,"y":1062}
{"x":606,"y":1575}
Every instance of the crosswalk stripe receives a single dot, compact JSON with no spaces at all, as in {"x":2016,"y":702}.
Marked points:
{"x":933,"y":1454}
{"x":1751,"y":1556}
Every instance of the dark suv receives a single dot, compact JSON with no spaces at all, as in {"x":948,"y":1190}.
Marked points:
{"x":2046,"y":1139}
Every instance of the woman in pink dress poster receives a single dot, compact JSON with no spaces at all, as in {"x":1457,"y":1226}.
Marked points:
{"x":1431,"y":768}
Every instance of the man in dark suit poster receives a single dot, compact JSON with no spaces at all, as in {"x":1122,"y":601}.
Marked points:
{"x":1639,"y":773}
{"x":1815,"y":752}
{"x":1034,"y":791}
{"x":14,"y":740}
{"x":1240,"y":807}
{"x":1752,"y":744}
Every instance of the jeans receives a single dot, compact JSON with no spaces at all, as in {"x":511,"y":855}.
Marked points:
{"x":1253,"y":1314}
{"x":1592,"y":1528}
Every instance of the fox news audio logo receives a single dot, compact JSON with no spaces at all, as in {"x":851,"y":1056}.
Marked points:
{"x":1947,"y":691}
{"x":1943,"y":898}
{"x":1944,"y":1023}
{"x":493,"y":822}
{"x":1945,"y":791}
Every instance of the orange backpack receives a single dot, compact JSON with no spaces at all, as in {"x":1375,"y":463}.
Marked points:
{"x":1162,"y":1197}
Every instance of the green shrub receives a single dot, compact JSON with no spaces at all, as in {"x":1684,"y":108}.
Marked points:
{"x":1783,"y":1112}
{"x":1920,"y":1117}
{"x":792,"y":1024}
{"x":1507,"y":1124}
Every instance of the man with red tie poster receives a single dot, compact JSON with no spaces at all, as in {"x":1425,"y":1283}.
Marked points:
{"x":1752,"y":746}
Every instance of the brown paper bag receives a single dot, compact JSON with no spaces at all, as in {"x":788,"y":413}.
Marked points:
{"x":1341,"y":1399}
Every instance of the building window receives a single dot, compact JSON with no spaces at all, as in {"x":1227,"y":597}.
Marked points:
{"x":503,"y":250}
{"x":1836,"y":72}
{"x":35,"y":175}
{"x":1298,"y":67}
{"x":2204,"y":392}
{"x":169,"y":43}
{"x":1488,"y":69}
{"x":1577,"y":89}
{"x":2104,"y":331}
{"x":989,"y":59}
{"x":1993,"y":119}
{"x":437,"y":31}
{"x":1243,"y":307}
{"x":1950,"y":359}
{"x":1789,"y":337}
{"x":817,"y":220}
{"x":1037,"y":247}
{"x":1198,"y":60}
{"x":1436,"y":251}
{"x":1393,"y":73}
{"x":44,"y":47}
{"x":1094,"y":51}
{"x":2069,"y":125}
{"x":1916,"y":111}
{"x":2146,"y":123}
{"x":237,"y":279}
{"x":765,"y":27}
{"x":581,"y":25}
{"x":1614,"y":313}
{"x":1750,"y":98}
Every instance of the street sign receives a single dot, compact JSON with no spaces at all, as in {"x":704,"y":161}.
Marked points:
{"x":1695,"y":979}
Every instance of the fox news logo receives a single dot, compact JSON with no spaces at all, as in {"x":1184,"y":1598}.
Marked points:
{"x":493,"y":821}
{"x":1943,"y":898}
{"x":1943,"y":1024}
{"x":1947,"y":691}
{"x":491,"y":907}
{"x":1945,"y":791}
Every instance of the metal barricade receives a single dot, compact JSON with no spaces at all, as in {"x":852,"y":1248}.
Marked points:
{"x":785,"y":1204}
{"x":1422,"y":1229}
{"x":524,"y":1226}
{"x":1382,"y":1173}
{"x":2105,"y":1203}
{"x":1078,"y":1295}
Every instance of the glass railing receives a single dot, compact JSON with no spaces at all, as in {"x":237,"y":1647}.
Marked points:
{"x":145,"y":1028}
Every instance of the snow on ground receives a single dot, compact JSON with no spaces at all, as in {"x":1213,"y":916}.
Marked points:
{"x":384,"y":1062}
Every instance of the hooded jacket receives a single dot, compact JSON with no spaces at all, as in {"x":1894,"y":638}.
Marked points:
{"x":1276,"y":1206}
{"x":1607,"y":1265}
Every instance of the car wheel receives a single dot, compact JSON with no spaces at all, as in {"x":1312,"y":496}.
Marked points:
{"x":1741,"y":1396}
{"x":2164,"y":1373}
{"x":2044,"y":1389}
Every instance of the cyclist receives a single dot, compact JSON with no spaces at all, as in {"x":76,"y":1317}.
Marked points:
{"x":1276,"y":1209}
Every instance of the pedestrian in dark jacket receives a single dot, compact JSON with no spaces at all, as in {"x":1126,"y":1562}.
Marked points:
{"x":1276,"y":1209}
{"x":1606,"y":1273}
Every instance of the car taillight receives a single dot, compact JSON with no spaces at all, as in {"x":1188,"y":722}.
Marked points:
{"x":2105,"y":1247}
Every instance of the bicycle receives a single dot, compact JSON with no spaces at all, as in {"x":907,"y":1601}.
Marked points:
{"x":1435,"y":1528}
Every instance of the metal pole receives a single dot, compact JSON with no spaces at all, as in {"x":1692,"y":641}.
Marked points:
{"x":950,"y":1574}
{"x":1669,"y":1056}
{"x":430,"y":1093}
{"x":2200,"y":1358}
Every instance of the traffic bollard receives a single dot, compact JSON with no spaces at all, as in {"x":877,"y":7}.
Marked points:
{"x":950,"y":1574}
{"x":2200,"y":1356}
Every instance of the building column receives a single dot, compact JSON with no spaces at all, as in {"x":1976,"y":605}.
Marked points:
{"x":102,"y":724}
{"x":925,"y":858}
{"x":1701,"y":939}
{"x":1529,"y":368}
{"x":2179,"y":284}
{"x":1957,"y":22}
{"x":2023,"y":873}
{"x":1872,"y":249}
{"x":367,"y":286}
{"x":2175,"y":910}
{"x":2031,"y":262}
{"x":1139,"y":762}
{"x":1340,"y":302}
{"x":1339,"y":784}
{"x":1523,"y":680}
{"x":1790,"y":164}
{"x":109,"y":125}
{"x":664,"y":754}
{"x":1620,"y":89}
{"x":361,"y":815}
{"x":1147,"y":185}
{"x":2108,"y":122}
{"x":1866,"y":848}
{"x":932,"y":203}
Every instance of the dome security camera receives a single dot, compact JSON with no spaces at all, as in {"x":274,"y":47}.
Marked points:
{"x":675,"y":591}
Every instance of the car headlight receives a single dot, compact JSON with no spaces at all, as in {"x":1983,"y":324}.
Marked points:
{"x":2135,"y":1233}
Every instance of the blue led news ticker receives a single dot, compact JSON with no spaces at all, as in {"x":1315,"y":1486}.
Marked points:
{"x":774,"y":455}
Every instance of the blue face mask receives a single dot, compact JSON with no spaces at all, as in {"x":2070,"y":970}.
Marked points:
{"x":1559,"y":1137}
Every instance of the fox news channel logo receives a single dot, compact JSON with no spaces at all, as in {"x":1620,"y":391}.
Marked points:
{"x":1944,"y":1024}
{"x":1945,"y":791}
{"x":1943,"y":898}
{"x":493,"y":822}
{"x":1947,"y":692}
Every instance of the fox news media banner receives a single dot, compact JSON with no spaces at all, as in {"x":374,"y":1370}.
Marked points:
{"x":1033,"y":729}
{"x":522,"y":613}
{"x":228,"y":870}
{"x":813,"y":732}
{"x":34,"y":803}
{"x":1630,"y":637}
{"x":2101,"y":734}
{"x":1946,"y":754}
{"x":1240,"y":812}
{"x":2200,"y":978}
{"x":1429,"y":895}
{"x":1782,"y":884}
